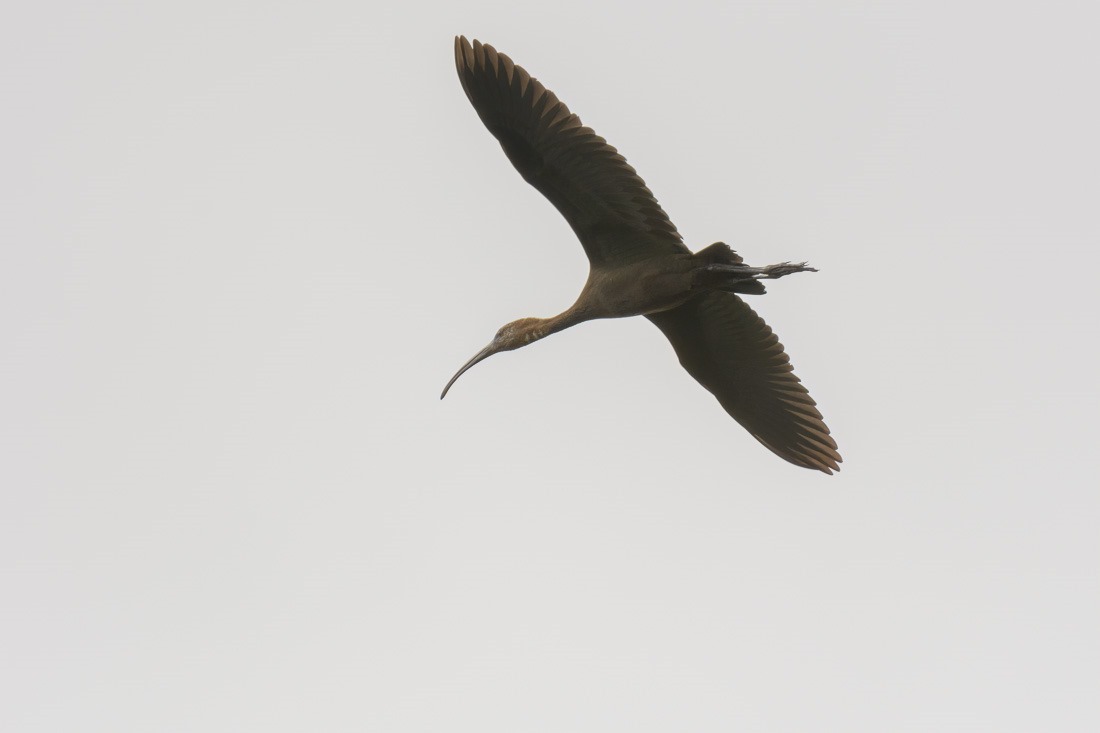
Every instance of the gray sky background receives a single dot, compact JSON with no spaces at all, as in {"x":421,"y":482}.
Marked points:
{"x":244,"y":245}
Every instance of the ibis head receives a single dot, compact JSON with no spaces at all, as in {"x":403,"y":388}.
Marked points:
{"x":511,"y":336}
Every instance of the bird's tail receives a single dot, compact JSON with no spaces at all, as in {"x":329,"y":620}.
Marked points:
{"x":723,"y":269}
{"x":718,"y":253}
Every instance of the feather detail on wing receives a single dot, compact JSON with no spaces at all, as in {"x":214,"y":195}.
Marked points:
{"x":733,"y":353}
{"x":615,"y":216}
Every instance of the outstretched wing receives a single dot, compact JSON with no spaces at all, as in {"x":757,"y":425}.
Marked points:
{"x":731,"y":351}
{"x":608,"y":205}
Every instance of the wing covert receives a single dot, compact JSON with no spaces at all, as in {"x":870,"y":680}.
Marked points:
{"x":609,"y":207}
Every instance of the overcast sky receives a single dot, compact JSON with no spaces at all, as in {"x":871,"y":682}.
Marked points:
{"x":244,"y":245}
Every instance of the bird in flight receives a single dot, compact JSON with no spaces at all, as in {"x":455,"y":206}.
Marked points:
{"x":639,"y":265}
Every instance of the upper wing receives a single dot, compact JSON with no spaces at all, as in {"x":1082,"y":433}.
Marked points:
{"x":609,"y":207}
{"x":731,"y":351}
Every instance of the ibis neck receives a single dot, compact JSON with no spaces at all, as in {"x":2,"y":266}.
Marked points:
{"x":560,"y":322}
{"x":571,"y":317}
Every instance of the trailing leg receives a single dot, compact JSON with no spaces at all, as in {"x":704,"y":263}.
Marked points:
{"x":741,"y":278}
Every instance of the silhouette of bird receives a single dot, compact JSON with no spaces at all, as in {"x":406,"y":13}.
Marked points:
{"x":639,"y":265}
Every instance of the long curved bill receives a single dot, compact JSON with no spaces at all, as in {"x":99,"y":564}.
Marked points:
{"x":487,"y":351}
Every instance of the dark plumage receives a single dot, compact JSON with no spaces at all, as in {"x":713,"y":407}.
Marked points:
{"x":640,"y":265}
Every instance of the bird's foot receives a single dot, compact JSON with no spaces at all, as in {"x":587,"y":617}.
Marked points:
{"x":774,"y":272}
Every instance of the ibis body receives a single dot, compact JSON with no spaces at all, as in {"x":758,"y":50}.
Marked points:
{"x":639,"y":265}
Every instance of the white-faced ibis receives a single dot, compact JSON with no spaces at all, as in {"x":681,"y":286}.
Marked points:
{"x":640,"y":265}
